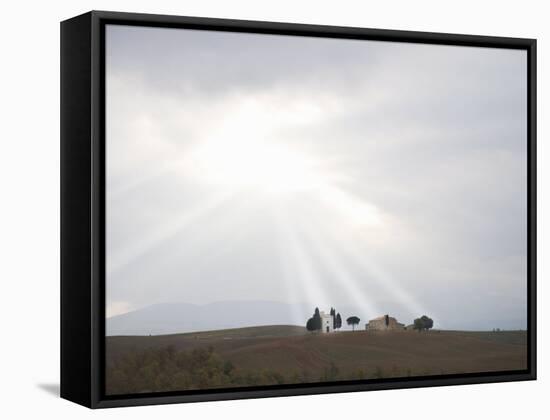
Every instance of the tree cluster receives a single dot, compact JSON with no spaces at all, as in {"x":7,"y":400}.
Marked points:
{"x":423,"y":323}
{"x":168,"y":369}
{"x":315,"y":323}
{"x":336,"y":318}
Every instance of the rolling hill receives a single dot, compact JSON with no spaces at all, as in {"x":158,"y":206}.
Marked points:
{"x":289,"y":354}
{"x":171,"y":318}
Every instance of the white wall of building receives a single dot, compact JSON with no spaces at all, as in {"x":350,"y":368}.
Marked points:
{"x":327,"y":323}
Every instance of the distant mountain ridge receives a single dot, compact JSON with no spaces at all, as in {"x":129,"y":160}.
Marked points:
{"x":173,"y":318}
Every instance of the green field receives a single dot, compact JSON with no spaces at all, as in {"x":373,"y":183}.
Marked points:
{"x":289,"y":354}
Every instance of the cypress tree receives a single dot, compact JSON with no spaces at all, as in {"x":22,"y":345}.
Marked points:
{"x":317,"y":322}
{"x":338,"y":321}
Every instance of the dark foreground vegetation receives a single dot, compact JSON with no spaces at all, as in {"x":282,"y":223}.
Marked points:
{"x":288,"y":355}
{"x":167,"y":369}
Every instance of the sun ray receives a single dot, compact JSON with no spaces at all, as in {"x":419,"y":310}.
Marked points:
{"x":407,"y":299}
{"x":127,"y":255}
{"x":381,"y":276}
{"x":346,"y":208}
{"x":350,"y":284}
{"x":303,"y":265}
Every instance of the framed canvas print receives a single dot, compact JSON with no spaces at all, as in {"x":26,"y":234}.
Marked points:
{"x":254,"y":209}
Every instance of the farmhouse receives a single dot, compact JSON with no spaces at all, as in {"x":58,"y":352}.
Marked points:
{"x":382,"y":323}
{"x":327,"y":322}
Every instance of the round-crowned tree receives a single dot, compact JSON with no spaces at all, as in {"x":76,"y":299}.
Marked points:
{"x":353,"y":321}
{"x":427,"y":322}
{"x":423,"y":323}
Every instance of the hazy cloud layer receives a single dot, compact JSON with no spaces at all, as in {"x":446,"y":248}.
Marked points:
{"x":380,"y":177}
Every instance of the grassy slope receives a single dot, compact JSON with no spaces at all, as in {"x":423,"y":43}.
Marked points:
{"x":290,"y":350}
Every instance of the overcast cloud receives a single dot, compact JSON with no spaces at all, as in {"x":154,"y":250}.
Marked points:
{"x":381,"y":177}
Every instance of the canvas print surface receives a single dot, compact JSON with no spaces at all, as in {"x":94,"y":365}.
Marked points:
{"x":296,"y":210}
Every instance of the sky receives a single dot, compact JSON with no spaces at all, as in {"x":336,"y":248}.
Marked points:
{"x":377,"y":176}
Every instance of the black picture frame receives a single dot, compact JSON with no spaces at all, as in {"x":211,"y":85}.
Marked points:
{"x":83,"y":206}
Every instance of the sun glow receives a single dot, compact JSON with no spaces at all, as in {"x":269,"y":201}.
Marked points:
{"x":248,"y":164}
{"x":275,"y":171}
{"x":248,"y":150}
{"x":244,"y":151}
